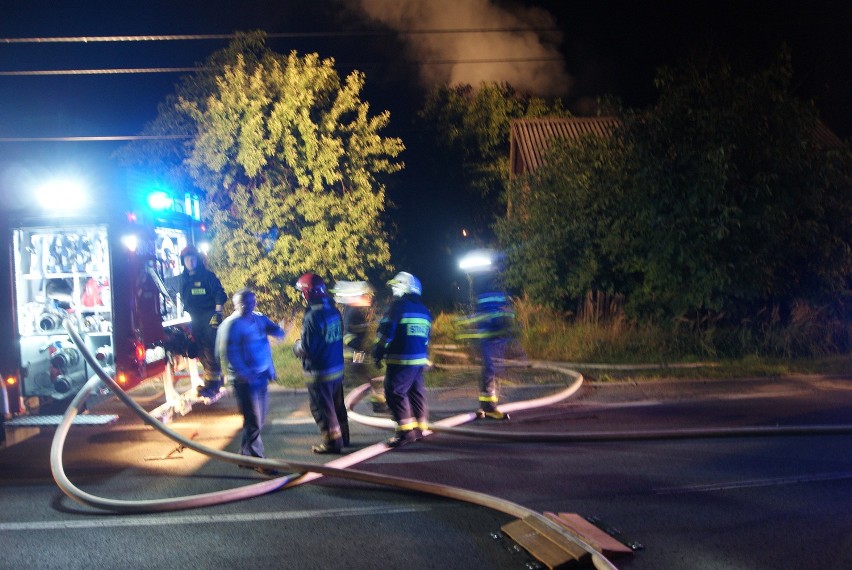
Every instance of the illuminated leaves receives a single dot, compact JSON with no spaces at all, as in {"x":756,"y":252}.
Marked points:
{"x":290,"y":159}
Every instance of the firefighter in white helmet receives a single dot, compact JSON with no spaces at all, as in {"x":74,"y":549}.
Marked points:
{"x":403,"y":343}
{"x":356,"y":298}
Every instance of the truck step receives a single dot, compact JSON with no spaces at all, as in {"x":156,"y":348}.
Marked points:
{"x":41,"y":421}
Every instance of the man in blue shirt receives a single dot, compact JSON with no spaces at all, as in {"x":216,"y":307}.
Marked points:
{"x":242,"y":346}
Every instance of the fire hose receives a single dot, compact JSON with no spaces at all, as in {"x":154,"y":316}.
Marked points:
{"x":304,"y":471}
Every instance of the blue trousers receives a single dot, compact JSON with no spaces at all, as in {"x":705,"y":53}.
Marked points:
{"x":491,"y":350}
{"x":253,"y":401}
{"x":405,"y":392}
{"x":329,"y":410}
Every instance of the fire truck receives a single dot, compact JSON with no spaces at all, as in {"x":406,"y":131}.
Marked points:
{"x":104,"y":255}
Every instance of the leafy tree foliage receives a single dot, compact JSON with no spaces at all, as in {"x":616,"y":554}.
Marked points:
{"x":558,"y":236}
{"x":471,"y":126}
{"x":717,"y":202}
{"x":289,"y":158}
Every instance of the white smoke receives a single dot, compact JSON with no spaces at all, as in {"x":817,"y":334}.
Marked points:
{"x":528,"y":60}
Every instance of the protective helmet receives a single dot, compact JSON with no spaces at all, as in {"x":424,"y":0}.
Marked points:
{"x":188,"y":250}
{"x":356,"y":293}
{"x":404,"y":283}
{"x":312,"y":287}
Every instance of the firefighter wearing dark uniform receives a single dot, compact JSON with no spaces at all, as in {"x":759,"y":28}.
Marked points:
{"x":321,"y":350}
{"x":203,"y":298}
{"x":356,"y":297}
{"x":490,"y":327}
{"x":403,"y":343}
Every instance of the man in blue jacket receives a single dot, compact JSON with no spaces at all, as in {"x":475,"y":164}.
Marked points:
{"x":321,"y":350}
{"x":403,"y":343}
{"x":242,"y":346}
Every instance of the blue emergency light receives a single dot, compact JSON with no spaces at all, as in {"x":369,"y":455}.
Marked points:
{"x":159,"y":200}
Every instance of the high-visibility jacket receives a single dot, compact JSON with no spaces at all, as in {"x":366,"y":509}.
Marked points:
{"x":403,"y":334}
{"x":493,"y":317}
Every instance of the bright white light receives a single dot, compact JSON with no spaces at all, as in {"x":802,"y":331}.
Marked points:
{"x":476,"y":261}
{"x":64,"y":194}
{"x":130,"y":241}
{"x":204,"y":247}
{"x":160,"y":200}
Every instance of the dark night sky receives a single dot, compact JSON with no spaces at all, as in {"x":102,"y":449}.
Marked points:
{"x":606,"y":47}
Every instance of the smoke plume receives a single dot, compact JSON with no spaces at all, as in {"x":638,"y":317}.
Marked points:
{"x":528,"y":60}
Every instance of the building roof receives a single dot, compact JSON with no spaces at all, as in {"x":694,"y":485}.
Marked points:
{"x":825,"y":137}
{"x":529,"y":138}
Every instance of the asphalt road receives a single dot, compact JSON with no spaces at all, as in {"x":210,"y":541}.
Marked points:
{"x":707,"y":503}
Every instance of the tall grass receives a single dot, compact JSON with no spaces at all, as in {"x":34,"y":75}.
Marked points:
{"x":809,"y":340}
{"x":600,"y":332}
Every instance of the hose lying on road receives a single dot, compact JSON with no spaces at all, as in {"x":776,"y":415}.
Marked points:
{"x":450,"y":427}
{"x":254,"y":490}
{"x":448,"y":424}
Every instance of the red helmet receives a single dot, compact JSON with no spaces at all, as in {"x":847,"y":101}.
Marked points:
{"x":312,"y":287}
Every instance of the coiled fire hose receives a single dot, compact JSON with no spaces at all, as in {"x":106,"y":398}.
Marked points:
{"x":303,"y":471}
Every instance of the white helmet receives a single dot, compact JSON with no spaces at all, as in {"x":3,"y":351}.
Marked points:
{"x":358,"y":293}
{"x":404,"y":283}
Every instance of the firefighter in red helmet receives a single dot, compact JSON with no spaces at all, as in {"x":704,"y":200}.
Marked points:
{"x":321,"y":350}
{"x":203,"y":298}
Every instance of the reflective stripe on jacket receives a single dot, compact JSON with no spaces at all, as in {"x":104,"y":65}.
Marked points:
{"x":493,"y":317}
{"x":403,"y":335}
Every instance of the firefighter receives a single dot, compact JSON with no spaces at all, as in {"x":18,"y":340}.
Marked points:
{"x":242,"y":347}
{"x":321,"y":350}
{"x":356,"y":297}
{"x":403,"y":342}
{"x":203,"y":298}
{"x":490,"y":327}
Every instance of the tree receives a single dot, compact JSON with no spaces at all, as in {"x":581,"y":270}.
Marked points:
{"x":734,"y":207}
{"x":558,"y":240}
{"x":717,"y":201}
{"x":289,"y":158}
{"x":471,"y":126}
